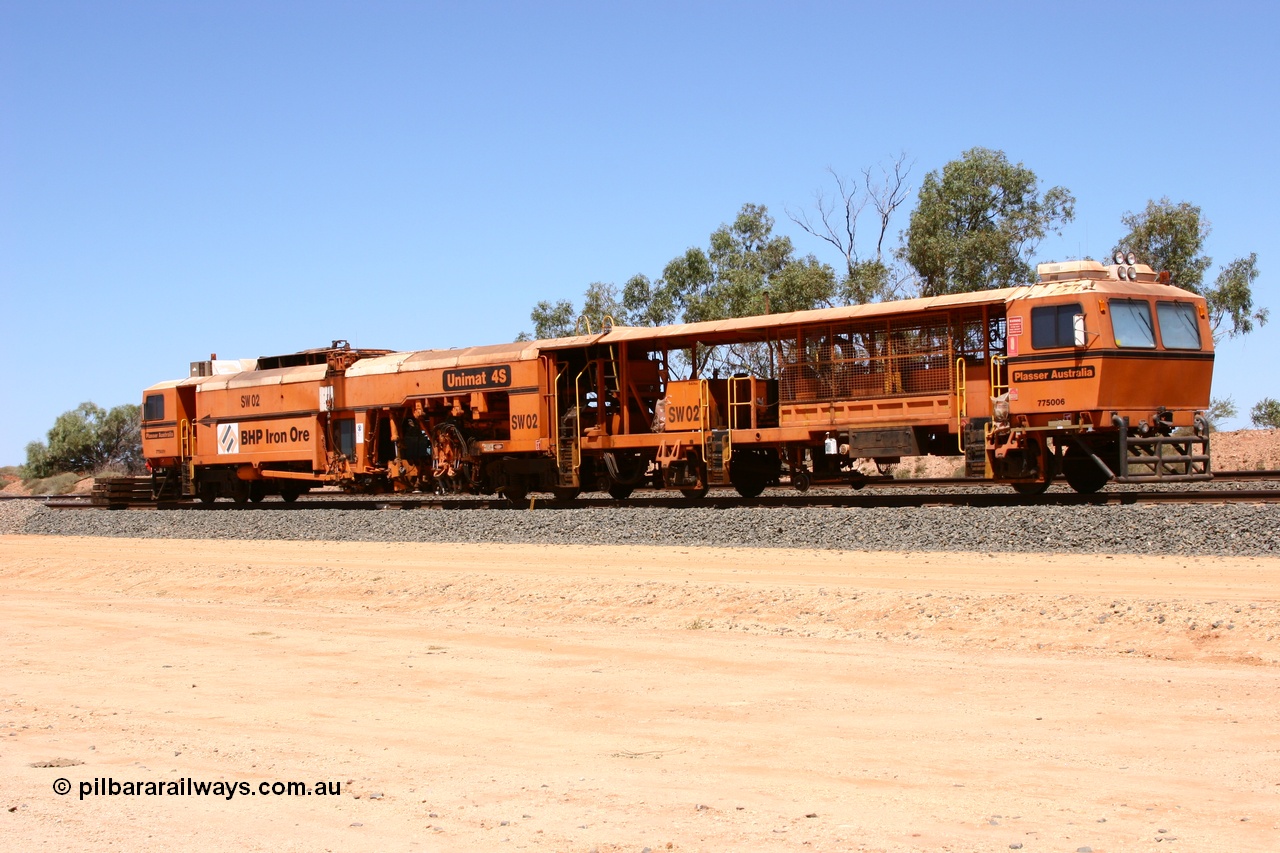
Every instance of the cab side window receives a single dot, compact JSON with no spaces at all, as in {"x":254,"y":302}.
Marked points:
{"x":1131,"y":323}
{"x":153,"y":408}
{"x":1179,"y":328}
{"x":1052,"y":326}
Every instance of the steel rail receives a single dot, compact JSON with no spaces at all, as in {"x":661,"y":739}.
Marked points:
{"x":984,"y":498}
{"x":869,"y":482}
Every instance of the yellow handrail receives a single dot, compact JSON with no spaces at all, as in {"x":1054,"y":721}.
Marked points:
{"x":962,"y":402}
{"x":704,"y":417}
{"x":996,"y":385}
{"x":553,"y":413}
{"x":733,"y":404}
{"x":996,"y":388}
{"x":577,"y":429}
{"x":185,"y":436}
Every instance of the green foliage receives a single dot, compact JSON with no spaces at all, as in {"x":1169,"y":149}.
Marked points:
{"x":977,"y":224}
{"x":1220,"y":409}
{"x":1266,"y":414}
{"x":1231,"y":297}
{"x":1170,"y":238}
{"x":550,"y":320}
{"x":86,"y":439}
{"x":58,"y":484}
{"x":866,"y":281}
{"x":744,"y":265}
{"x":600,"y":306}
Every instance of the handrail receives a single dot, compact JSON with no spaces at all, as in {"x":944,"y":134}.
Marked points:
{"x":996,"y":388}
{"x":577,"y":402}
{"x":996,"y":385}
{"x":734,"y":403}
{"x":553,"y":413}
{"x":962,"y":402}
{"x":704,"y":418}
{"x":185,"y":439}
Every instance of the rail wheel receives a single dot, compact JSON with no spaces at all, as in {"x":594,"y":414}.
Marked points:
{"x":1030,"y":490}
{"x":751,"y":471}
{"x":208,"y":493}
{"x":620,"y":491}
{"x":289,"y":494}
{"x":257,"y":492}
{"x":1082,"y":473}
{"x":748,"y":481}
{"x":802,"y":481}
{"x":566,"y":494}
{"x":697,"y":493}
{"x":515,"y":494}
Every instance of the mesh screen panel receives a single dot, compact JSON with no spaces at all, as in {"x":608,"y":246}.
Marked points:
{"x":909,"y":357}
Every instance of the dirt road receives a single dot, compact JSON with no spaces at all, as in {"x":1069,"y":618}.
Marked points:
{"x":538,"y":698}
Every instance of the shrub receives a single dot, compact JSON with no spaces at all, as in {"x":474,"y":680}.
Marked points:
{"x":1220,"y":409}
{"x":86,"y":438}
{"x":1266,"y":414}
{"x":59,"y":484}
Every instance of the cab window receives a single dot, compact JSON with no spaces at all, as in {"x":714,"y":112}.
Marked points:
{"x":1052,"y":326}
{"x":347,"y":437}
{"x":1131,"y":323}
{"x":153,"y":407}
{"x":1179,"y":328}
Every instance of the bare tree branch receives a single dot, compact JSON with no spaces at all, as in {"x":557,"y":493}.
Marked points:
{"x":888,"y":195}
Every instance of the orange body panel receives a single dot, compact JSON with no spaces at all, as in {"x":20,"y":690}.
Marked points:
{"x":876,"y":381}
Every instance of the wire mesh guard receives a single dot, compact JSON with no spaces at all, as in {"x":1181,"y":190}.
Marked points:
{"x":885,"y":359}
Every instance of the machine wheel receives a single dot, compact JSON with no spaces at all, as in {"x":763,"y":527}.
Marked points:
{"x":208,"y":493}
{"x":1031,"y":489}
{"x":289,"y":495}
{"x":565,"y":494}
{"x":696,"y":494}
{"x":802,"y":481}
{"x":514,"y":494}
{"x":257,"y":492}
{"x":1082,"y":473}
{"x":750,"y":472}
{"x":857,"y":480}
{"x":620,"y":491}
{"x":748,"y":480}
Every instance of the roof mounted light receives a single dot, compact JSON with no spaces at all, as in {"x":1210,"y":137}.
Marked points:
{"x":1132,"y":274}
{"x":1119,"y":257}
{"x":1130,"y":259}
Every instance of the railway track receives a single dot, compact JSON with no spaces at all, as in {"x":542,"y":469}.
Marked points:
{"x":885,"y":492}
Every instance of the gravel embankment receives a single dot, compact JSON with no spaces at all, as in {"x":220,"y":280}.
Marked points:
{"x":1232,"y":530}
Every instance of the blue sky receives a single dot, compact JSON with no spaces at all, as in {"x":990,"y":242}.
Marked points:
{"x":178,"y":179}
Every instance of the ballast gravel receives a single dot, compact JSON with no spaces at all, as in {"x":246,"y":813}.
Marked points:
{"x":1166,"y":529}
